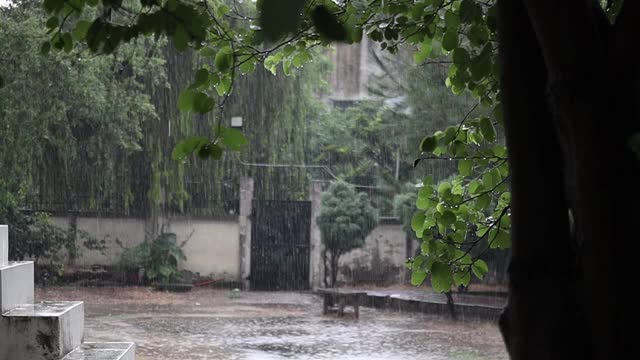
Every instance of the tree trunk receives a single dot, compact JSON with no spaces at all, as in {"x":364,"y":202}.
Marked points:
{"x":567,"y":154}
{"x":451,"y":305}
{"x":334,"y":268}
{"x":324,"y":263}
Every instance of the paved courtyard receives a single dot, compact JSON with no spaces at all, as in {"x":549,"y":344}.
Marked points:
{"x":222,"y":324}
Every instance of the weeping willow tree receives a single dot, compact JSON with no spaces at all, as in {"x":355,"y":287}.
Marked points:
{"x":70,"y":122}
{"x":101,"y":139}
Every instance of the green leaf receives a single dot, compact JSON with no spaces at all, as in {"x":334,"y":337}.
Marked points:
{"x":487,"y":129}
{"x":469,"y":11}
{"x":425,"y":192}
{"x":81,"y":29}
{"x":247,"y":64}
{"x":500,"y":239}
{"x":45,"y":48}
{"x":488,"y":179}
{"x":207,"y":52}
{"x":497,"y":113}
{"x":201,"y":78}
{"x":202,"y":103}
{"x":53,"y":22}
{"x":480,"y":268}
{"x":448,"y":218}
{"x":418,"y":277}
{"x":185,"y":100}
{"x":441,"y":278}
{"x":417,"y":222}
{"x":180,"y":38}
{"x":451,"y":20}
{"x":478,"y":34}
{"x":68,"y":42}
{"x":423,"y":203}
{"x":279,"y":17}
{"x":428,"y":144}
{"x":444,"y":187}
{"x":210,"y":151}
{"x":1,"y":82}
{"x":52,"y":6}
{"x":449,"y":135}
{"x":483,"y":201}
{"x":462,"y":278}
{"x":232,"y":139}
{"x":224,"y":86}
{"x":328,"y":24}
{"x":465,"y":166}
{"x":461,"y":58}
{"x":450,"y":40}
{"x":475,"y":187}
{"x":224,"y":59}
{"x":187,"y":146}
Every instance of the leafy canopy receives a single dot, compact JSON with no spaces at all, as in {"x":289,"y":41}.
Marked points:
{"x":456,"y":220}
{"x":346,"y":218}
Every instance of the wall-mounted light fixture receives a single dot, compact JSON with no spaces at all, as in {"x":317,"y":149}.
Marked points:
{"x":236,"y":122}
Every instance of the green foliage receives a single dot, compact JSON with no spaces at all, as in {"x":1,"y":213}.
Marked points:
{"x":70,"y":122}
{"x":345,"y":219}
{"x":404,"y":206}
{"x":32,"y":235}
{"x":159,"y":258}
{"x":457,"y":219}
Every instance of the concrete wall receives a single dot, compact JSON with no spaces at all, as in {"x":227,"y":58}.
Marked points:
{"x":380,"y":260}
{"x":212,"y":246}
{"x":222,"y":248}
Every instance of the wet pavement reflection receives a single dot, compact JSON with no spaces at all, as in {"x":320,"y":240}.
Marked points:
{"x":218,"y":324}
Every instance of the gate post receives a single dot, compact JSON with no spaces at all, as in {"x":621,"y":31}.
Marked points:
{"x":316,"y":267}
{"x":244,"y":229}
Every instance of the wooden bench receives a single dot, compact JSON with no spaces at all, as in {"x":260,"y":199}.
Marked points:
{"x":343,"y":298}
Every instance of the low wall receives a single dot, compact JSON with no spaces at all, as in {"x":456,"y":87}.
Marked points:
{"x":212,"y":247}
{"x":381,"y":260}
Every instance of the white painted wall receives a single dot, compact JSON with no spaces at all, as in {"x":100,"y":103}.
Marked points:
{"x":212,"y":248}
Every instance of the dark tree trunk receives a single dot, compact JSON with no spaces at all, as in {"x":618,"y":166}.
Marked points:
{"x":334,"y":268}
{"x":451,"y":305}
{"x":568,"y":85}
{"x":324,"y":262}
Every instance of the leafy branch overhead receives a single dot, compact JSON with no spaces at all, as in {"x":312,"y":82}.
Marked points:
{"x":457,"y":220}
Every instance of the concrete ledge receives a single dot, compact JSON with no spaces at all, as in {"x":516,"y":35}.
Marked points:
{"x":16,"y":284}
{"x":408,"y":304}
{"x":104,"y":351}
{"x":41,"y":331}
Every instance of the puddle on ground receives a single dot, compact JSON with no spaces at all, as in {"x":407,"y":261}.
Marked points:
{"x":377,"y":335}
{"x":266,"y":326}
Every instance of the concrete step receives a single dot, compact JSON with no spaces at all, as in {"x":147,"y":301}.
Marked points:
{"x":16,"y":284}
{"x":104,"y":351}
{"x":42,"y":331}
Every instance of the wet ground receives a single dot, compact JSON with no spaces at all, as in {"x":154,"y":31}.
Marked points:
{"x":222,"y":324}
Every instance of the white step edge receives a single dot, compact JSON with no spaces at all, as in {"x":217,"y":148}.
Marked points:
{"x":41,"y":331}
{"x":16,"y":284}
{"x":103,"y":351}
{"x":4,"y":245}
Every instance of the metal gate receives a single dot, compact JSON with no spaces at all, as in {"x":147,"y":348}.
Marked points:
{"x":280,"y":245}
